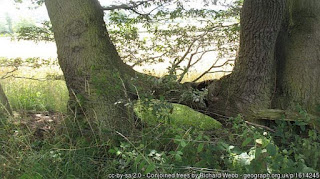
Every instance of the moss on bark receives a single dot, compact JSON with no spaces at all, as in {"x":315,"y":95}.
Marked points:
{"x":97,"y":80}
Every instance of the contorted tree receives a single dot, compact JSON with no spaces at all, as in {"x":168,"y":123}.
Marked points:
{"x":278,"y":41}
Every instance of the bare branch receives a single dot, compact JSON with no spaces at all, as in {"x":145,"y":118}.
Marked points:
{"x":260,"y":126}
{"x":189,"y":64}
{"x":133,"y":7}
{"x":203,"y":53}
{"x":9,"y":72}
{"x":150,"y":58}
{"x":29,"y":78}
{"x":213,"y":66}
{"x":126,"y":6}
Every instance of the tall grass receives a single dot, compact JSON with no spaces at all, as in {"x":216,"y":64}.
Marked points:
{"x":26,"y":94}
{"x":32,"y":88}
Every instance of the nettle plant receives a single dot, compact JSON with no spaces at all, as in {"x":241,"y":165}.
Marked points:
{"x":290,"y":148}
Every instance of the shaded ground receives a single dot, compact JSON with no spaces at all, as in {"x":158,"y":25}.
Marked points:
{"x":38,"y":123}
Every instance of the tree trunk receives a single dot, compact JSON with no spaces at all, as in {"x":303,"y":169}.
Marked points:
{"x":96,"y":77}
{"x":250,"y":85}
{"x":298,"y":54}
{"x":5,"y":108}
{"x":278,"y":61}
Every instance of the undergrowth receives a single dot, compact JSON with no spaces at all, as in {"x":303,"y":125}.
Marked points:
{"x":71,"y":151}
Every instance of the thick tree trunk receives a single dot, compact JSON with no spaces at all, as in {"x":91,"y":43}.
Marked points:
{"x":95,"y":75}
{"x":251,"y":84}
{"x":5,"y":108}
{"x":278,"y":62}
{"x":298,"y":54}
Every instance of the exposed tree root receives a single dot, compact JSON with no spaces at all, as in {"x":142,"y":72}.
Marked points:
{"x":286,"y":115}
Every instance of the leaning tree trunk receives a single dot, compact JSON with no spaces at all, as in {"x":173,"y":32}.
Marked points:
{"x":96,"y":77}
{"x":5,"y":108}
{"x":278,"y":61}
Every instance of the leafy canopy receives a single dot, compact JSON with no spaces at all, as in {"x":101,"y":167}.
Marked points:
{"x":149,"y":32}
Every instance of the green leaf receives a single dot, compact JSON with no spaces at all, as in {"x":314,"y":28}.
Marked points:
{"x":246,"y":142}
{"x":183,"y":143}
{"x":179,"y":153}
{"x":308,"y":170}
{"x":178,"y":157}
{"x":271,"y":149}
{"x":258,"y":152}
{"x":150,"y":168}
{"x":137,"y":160}
{"x":200,"y":147}
{"x":112,"y":151}
{"x":142,"y":164}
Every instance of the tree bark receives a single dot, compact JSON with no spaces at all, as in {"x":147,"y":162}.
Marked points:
{"x":278,"y":61}
{"x":298,"y":56}
{"x":96,"y":77}
{"x":250,"y":85}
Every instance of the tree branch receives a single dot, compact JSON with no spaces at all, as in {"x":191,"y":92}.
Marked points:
{"x":213,"y":66}
{"x":125,"y":6}
{"x":9,"y":72}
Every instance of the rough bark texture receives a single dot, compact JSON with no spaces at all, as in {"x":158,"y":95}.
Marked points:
{"x":251,"y":84}
{"x":278,"y":62}
{"x":298,"y":56}
{"x":5,"y":108}
{"x":95,"y":75}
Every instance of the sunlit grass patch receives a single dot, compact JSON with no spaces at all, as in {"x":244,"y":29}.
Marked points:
{"x":190,"y":76}
{"x":177,"y":115}
{"x":35,"y":89}
{"x":24,"y":94}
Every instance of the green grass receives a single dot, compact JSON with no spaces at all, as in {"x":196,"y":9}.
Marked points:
{"x":179,"y":116}
{"x":31,"y":90}
{"x":25,"y":94}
